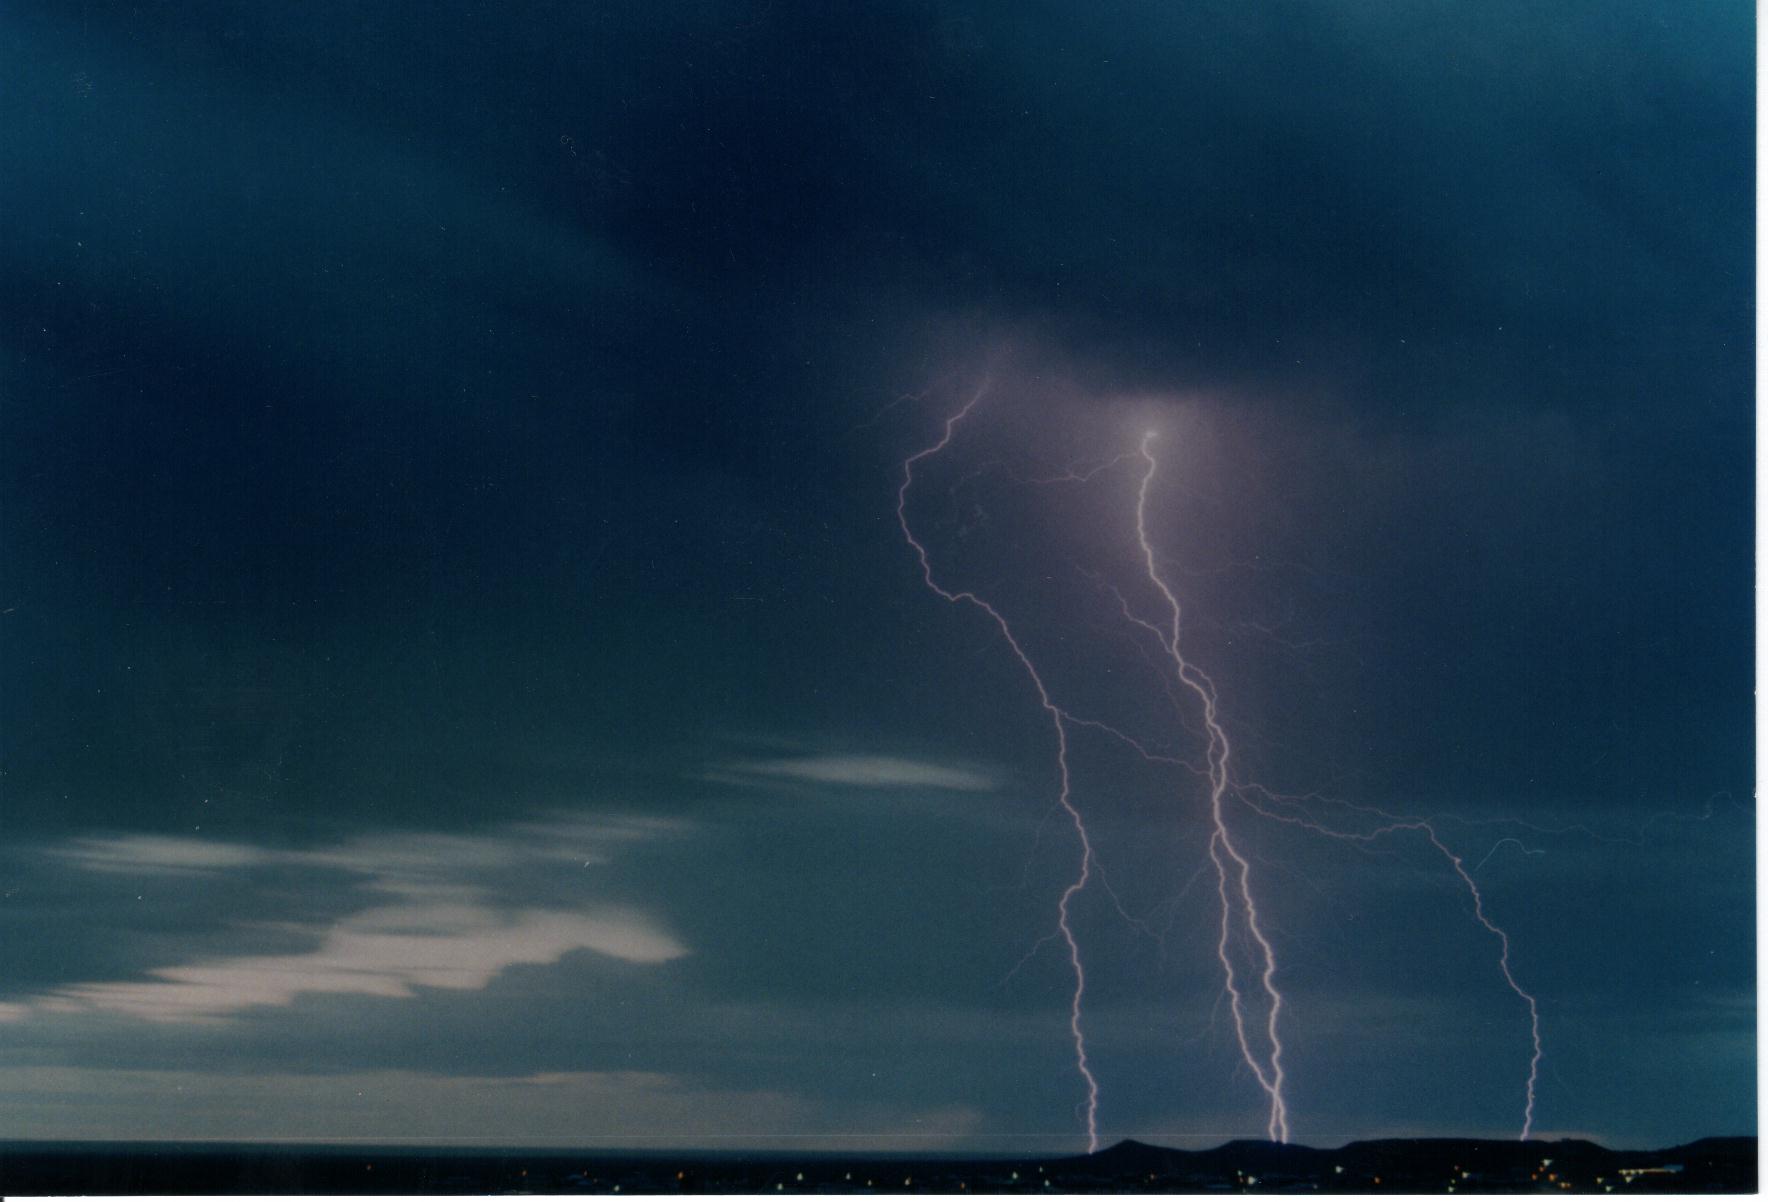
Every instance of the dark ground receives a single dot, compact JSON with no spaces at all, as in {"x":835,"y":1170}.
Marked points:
{"x":1475,"y":1166}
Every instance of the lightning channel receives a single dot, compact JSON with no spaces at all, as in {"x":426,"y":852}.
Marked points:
{"x":1059,"y":724}
{"x":1267,"y":1067}
{"x":1423,"y":826}
{"x":1251,"y":990}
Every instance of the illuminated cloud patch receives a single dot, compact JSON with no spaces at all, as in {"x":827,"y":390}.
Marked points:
{"x":160,"y":854}
{"x":385,"y":952}
{"x":865,"y":772}
{"x":444,"y":922}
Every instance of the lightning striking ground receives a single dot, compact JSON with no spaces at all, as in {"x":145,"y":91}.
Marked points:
{"x":1269,"y":1072}
{"x":1396,"y":824}
{"x":1268,"y":1067}
{"x":1256,"y":1003}
{"x":1059,"y":722}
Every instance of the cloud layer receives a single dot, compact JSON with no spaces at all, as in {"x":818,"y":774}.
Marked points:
{"x":865,"y":772}
{"x":448,"y":928}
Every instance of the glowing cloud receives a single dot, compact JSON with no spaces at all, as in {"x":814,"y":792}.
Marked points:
{"x":441,"y":927}
{"x":385,"y":952}
{"x":868,"y":772}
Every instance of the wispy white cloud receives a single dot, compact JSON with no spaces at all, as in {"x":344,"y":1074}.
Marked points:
{"x":159,"y":854}
{"x":864,"y":772}
{"x":387,"y":951}
{"x":387,"y":854}
{"x":446,"y":927}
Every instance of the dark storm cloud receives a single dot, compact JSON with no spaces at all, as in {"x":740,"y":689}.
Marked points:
{"x":1383,"y":192}
{"x":516,"y":312}
{"x":1297,"y":176}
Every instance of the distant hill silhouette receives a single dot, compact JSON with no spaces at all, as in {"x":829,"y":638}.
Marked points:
{"x":1384,"y":1165}
{"x":1390,"y":1162}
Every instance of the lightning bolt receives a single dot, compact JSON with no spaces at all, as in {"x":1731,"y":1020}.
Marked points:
{"x":1387,"y":823}
{"x":1269,"y":1071}
{"x":1397,"y":823}
{"x":1251,"y":989}
{"x":1059,"y":723}
{"x":1267,"y":1067}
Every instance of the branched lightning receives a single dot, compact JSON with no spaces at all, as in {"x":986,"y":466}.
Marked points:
{"x":1059,"y":722}
{"x":1248,"y":958}
{"x":1269,"y":1072}
{"x":1268,"y":1067}
{"x":1395,"y":825}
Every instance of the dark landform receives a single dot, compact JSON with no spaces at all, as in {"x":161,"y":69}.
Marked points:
{"x":1246,"y":1166}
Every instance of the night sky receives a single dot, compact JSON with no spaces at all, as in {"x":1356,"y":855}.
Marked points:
{"x":464,"y":678}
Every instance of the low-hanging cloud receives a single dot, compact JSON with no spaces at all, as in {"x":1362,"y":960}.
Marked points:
{"x":445,"y":924}
{"x":867,"y":772}
{"x":385,"y":952}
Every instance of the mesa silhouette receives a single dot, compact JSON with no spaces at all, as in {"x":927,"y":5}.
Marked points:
{"x":1720,"y":1165}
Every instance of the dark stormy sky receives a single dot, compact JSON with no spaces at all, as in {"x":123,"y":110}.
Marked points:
{"x":463,"y":678}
